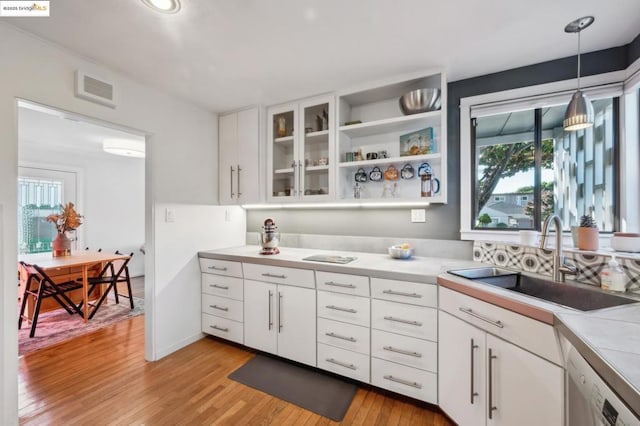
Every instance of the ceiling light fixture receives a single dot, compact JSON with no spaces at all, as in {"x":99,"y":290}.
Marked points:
{"x":163,"y":6}
{"x":125,"y":147}
{"x":579,"y":113}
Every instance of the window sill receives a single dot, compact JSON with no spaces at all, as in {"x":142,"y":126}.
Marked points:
{"x":514,"y":237}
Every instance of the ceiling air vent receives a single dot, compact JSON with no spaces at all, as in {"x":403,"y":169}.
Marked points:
{"x":95,"y":89}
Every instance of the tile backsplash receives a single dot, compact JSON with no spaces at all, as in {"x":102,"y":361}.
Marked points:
{"x":540,"y":261}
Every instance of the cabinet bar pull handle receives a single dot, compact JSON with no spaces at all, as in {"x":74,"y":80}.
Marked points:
{"x":223,"y":287}
{"x":226,"y":330}
{"x":342,"y":364}
{"x":473,"y":348}
{"x":482,"y":317}
{"x":231,"y":181}
{"x":400,"y":293}
{"x":270,"y":319}
{"x":217,"y":268}
{"x":295,"y":177}
{"x":491,"y":406}
{"x":274,"y":276}
{"x":239,"y":170}
{"x":300,"y":188}
{"x":337,"y":336}
{"x":220,"y":308}
{"x":338,"y":308}
{"x":402,"y":351}
{"x":279,"y":312}
{"x":339,"y":284}
{"x":404,"y":321}
{"x":403,"y":382}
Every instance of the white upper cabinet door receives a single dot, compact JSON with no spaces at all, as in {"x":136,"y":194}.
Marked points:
{"x":227,"y":158}
{"x":523,"y":389}
{"x":239,"y":157}
{"x":461,"y":371}
{"x":297,"y":324}
{"x":260,"y":316}
{"x":248,"y":176}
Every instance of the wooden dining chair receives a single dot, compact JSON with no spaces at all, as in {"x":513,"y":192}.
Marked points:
{"x":40,"y":286}
{"x":114,"y":272}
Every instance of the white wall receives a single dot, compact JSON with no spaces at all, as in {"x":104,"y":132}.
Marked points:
{"x":180,"y":165}
{"x":177,"y":284}
{"x":112,"y":199}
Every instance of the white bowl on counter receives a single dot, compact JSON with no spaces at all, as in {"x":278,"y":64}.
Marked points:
{"x":625,"y":241}
{"x":397,"y":252}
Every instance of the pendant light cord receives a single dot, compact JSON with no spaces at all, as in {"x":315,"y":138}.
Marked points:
{"x":579,"y":59}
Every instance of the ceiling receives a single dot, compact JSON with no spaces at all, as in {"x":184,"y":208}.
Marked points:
{"x":42,"y":128}
{"x":225,"y":54}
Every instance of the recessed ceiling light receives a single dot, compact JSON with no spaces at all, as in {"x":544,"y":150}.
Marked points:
{"x":163,"y":6}
{"x":124,"y":147}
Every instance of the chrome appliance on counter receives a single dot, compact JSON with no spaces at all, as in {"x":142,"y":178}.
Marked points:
{"x":269,"y":238}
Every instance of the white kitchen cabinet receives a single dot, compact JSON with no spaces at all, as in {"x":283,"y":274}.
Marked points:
{"x":486,"y":380}
{"x":280,"y":319}
{"x":222,"y":299}
{"x":300,"y":147}
{"x":239,"y":157}
{"x":370,"y":122}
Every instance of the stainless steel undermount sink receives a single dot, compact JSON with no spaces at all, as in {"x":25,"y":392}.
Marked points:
{"x":565,"y":294}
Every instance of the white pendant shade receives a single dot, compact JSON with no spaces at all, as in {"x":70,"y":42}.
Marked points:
{"x":124,"y":147}
{"x":579,"y":113}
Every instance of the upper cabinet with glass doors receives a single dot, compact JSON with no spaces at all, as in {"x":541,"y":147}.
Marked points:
{"x":300,"y":146}
{"x":384,"y":155}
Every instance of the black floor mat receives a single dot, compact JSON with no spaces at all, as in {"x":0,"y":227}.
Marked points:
{"x":303,"y":386}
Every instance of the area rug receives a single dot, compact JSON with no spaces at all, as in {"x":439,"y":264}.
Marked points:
{"x":57,"y":326}
{"x":303,"y":386}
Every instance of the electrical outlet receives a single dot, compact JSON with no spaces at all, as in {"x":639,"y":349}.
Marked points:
{"x":170,"y":215}
{"x":418,"y":215}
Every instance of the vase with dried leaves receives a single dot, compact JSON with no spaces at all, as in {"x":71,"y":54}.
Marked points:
{"x":67,"y":220}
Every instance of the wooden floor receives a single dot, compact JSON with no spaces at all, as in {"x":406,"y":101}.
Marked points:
{"x":102,"y":379}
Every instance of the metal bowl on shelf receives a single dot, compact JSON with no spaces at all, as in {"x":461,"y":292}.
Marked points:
{"x":420,"y":100}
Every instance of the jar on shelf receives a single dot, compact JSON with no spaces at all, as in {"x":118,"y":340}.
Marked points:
{"x":281,"y":127}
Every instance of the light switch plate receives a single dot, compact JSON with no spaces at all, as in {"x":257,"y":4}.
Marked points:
{"x":170,"y":215}
{"x":418,"y":215}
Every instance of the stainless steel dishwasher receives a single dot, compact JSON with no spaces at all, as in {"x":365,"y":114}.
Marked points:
{"x":590,"y":401}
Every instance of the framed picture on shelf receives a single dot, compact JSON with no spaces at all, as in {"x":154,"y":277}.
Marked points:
{"x":419,"y":142}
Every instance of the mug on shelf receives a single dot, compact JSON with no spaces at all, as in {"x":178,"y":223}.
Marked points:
{"x":376,"y":174}
{"x":424,"y":169}
{"x":407,"y":171}
{"x":361,"y":175}
{"x":391,"y":173}
{"x":372,"y":155}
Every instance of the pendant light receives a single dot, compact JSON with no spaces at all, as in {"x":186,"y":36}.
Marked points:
{"x":579,"y":113}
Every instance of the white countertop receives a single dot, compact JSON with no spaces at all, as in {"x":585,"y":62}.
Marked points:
{"x":419,"y":269}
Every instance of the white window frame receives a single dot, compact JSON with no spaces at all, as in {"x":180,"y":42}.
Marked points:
{"x":597,"y":86}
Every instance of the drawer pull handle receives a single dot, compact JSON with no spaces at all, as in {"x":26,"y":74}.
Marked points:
{"x":404,"y":321}
{"x":337,"y":336}
{"x":338,"y":308}
{"x":339,"y":284}
{"x":340,"y":363}
{"x":218,"y":268}
{"x":222,"y":287}
{"x":482,"y":317}
{"x":403,"y":382}
{"x":402,"y":351}
{"x":401,"y":293}
{"x":274,"y":276}
{"x":220,"y":308}
{"x":226,"y":330}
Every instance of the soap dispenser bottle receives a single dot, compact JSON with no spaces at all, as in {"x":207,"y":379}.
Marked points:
{"x":612,"y":277}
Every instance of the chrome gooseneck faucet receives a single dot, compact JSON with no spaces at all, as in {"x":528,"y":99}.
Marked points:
{"x":560,"y":268}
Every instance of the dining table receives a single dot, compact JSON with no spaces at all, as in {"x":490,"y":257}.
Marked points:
{"x":85,"y":260}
